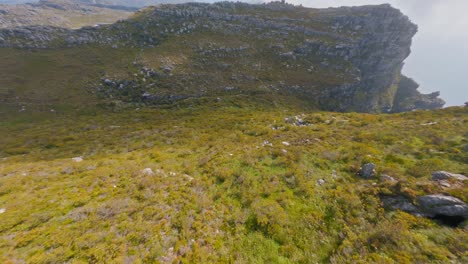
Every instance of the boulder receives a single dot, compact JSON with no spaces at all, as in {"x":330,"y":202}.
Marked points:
{"x":437,"y":204}
{"x":398,"y":202}
{"x":443,"y":175}
{"x":367,"y":171}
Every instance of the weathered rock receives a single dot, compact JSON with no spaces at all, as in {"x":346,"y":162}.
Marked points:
{"x":367,"y":171}
{"x":443,"y":175}
{"x":402,"y":203}
{"x":437,"y":204}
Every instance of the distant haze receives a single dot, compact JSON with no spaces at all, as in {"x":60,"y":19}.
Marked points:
{"x":439,"y":57}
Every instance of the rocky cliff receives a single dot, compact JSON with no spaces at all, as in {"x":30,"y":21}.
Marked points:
{"x":342,"y":59}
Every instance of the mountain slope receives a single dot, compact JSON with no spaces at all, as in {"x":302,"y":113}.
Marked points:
{"x":59,"y":13}
{"x":342,"y":59}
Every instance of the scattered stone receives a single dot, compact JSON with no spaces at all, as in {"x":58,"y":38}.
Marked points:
{"x":387,"y":178}
{"x":334,"y":174}
{"x":285,"y":143}
{"x":77,"y":159}
{"x":438,"y":204}
{"x":267,"y":143}
{"x":367,"y":171}
{"x":284,"y":151}
{"x":443,"y":175}
{"x":321,"y":181}
{"x":2,"y":210}
{"x":148,"y":171}
{"x":296,"y":121}
{"x":166,"y":69}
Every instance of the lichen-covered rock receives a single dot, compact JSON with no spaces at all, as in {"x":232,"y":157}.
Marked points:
{"x":367,"y":171}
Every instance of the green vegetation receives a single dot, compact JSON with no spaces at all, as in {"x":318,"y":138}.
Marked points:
{"x":217,"y":192}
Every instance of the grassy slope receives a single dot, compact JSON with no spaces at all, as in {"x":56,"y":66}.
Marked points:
{"x":247,"y":203}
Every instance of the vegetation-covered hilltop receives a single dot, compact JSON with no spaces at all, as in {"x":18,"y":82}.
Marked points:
{"x":341,"y":59}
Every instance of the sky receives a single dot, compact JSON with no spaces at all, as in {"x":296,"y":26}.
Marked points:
{"x":439,"y":58}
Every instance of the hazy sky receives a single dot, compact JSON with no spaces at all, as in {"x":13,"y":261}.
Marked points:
{"x":439,"y":58}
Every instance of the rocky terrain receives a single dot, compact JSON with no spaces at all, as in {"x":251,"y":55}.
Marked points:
{"x":200,"y":133}
{"x":59,"y":13}
{"x":341,"y":59}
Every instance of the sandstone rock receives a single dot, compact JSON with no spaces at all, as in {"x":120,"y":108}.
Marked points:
{"x":443,"y":175}
{"x":438,"y":204}
{"x":367,"y":171}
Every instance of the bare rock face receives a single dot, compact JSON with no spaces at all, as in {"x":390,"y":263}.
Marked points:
{"x":437,"y":204}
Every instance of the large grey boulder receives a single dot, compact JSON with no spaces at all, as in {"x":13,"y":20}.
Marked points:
{"x":438,"y":204}
{"x":398,"y":202}
{"x":443,"y":175}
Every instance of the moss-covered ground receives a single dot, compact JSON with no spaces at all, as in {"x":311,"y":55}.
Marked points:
{"x":224,"y":181}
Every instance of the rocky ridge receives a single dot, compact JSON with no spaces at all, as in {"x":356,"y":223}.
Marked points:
{"x":348,"y":59}
{"x":59,"y":13}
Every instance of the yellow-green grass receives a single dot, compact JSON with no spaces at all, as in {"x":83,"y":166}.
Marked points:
{"x":218,"y":194}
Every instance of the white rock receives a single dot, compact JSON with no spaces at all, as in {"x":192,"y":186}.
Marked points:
{"x":77,"y":159}
{"x":285,"y":143}
{"x":2,"y":210}
{"x":147,"y":171}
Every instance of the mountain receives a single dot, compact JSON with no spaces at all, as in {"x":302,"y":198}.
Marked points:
{"x":342,"y":59}
{"x":59,"y":13}
{"x":197,"y":133}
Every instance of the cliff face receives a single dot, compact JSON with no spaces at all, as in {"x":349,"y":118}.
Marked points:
{"x":341,"y":59}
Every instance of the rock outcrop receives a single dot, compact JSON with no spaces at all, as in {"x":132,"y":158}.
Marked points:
{"x":433,"y":205}
{"x":341,"y":59}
